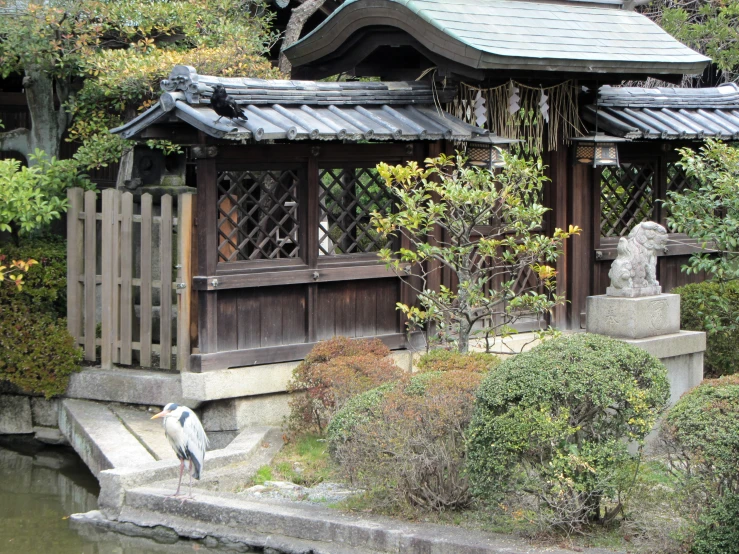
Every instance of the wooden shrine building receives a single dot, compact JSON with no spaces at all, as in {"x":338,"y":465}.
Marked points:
{"x":285,"y":255}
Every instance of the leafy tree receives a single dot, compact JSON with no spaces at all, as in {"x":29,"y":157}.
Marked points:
{"x":101,"y":60}
{"x":709,"y":26}
{"x":489,"y":224}
{"x":710,"y":214}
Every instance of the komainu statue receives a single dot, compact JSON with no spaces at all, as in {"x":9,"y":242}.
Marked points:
{"x":634,"y":271}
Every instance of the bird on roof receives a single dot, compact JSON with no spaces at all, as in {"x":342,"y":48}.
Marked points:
{"x":187,"y":437}
{"x":224,"y":105}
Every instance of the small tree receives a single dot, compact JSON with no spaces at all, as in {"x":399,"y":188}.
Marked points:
{"x":489,"y":237}
{"x":710,"y":214}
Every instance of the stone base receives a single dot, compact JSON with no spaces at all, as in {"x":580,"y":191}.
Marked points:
{"x":15,"y":415}
{"x":682,"y":354}
{"x":635,"y":292}
{"x":633,"y":318}
{"x":239,"y":413}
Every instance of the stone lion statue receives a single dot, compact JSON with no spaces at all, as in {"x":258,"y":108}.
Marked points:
{"x":634,"y":271}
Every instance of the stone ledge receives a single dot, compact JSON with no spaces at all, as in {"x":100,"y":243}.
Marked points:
{"x":128,"y":386}
{"x":675,"y":344}
{"x":252,"y":523}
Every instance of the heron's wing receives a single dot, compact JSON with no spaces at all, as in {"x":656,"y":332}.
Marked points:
{"x":176,"y":436}
{"x":197,"y":442}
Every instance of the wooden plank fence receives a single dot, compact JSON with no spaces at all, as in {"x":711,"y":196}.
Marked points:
{"x":110,"y":273}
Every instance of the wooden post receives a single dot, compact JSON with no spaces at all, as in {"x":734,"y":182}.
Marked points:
{"x":75,"y":263}
{"x":108,"y":336}
{"x":184,"y":277}
{"x":90,"y":274}
{"x":207,"y":253}
{"x":165,"y":310}
{"x":126,"y":277}
{"x":146,"y":241}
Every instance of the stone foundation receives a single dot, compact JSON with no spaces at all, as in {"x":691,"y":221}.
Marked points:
{"x":633,"y":318}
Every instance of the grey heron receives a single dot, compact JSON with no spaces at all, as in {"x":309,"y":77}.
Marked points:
{"x":187,"y":438}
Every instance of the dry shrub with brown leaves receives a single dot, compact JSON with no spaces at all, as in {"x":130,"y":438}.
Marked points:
{"x":406,"y":441}
{"x":333,"y":372}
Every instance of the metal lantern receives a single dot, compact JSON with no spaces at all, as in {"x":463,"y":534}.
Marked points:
{"x":485,"y":151}
{"x":598,"y":149}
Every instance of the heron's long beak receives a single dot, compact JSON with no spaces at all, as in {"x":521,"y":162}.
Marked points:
{"x":160,"y":414}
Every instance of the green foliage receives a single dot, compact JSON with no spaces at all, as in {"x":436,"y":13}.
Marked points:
{"x":719,"y":532}
{"x":448,"y":360}
{"x":710,"y":214}
{"x":119,"y":51}
{"x":702,"y":302}
{"x":36,"y":352}
{"x":35,"y":196}
{"x":708,"y":26}
{"x":447,"y":194}
{"x":552,"y":425}
{"x":701,"y":435}
{"x":333,"y":372}
{"x":45,"y":284}
{"x":405,"y":440}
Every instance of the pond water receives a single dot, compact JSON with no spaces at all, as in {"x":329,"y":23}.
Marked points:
{"x":40,"y":487}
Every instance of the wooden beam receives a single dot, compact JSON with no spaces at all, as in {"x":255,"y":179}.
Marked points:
{"x":272,"y":354}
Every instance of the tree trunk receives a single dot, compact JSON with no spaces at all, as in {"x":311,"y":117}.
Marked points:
{"x":48,"y":123}
{"x":299,"y":16}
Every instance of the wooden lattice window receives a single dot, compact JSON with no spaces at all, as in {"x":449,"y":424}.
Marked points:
{"x":257,"y":215}
{"x":626,"y":197}
{"x":346,"y":198}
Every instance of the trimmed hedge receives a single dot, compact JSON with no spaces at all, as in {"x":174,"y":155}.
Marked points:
{"x":404,"y":441}
{"x":37,"y":353}
{"x":722,"y":347}
{"x":45,"y":284}
{"x":555,"y":422}
{"x":450,"y":360}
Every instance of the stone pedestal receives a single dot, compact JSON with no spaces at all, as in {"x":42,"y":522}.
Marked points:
{"x":633,"y":318}
{"x":653,"y":324}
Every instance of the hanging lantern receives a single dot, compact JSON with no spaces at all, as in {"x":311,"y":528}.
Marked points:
{"x":485,"y":151}
{"x":597,"y":149}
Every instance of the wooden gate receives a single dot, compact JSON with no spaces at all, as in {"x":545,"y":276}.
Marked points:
{"x":114,"y":287}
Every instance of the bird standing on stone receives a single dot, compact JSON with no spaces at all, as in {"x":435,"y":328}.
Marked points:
{"x":187,"y":437}
{"x":224,"y":105}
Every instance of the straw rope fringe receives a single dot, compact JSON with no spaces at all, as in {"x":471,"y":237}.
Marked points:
{"x":526,"y":124}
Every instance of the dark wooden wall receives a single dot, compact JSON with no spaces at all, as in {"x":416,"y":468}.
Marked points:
{"x":256,"y":311}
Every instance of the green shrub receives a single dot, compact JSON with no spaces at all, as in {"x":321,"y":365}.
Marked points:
{"x":333,"y":372}
{"x":551,"y":425}
{"x":45,"y":284}
{"x":450,"y":360}
{"x":36,"y":352}
{"x":697,"y":300}
{"x":701,"y":436}
{"x":405,"y":441}
{"x":719,"y":528}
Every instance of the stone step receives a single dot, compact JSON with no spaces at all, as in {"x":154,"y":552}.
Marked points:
{"x":99,"y":437}
{"x":150,"y":433}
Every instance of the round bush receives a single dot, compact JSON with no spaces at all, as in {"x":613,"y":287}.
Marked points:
{"x":718,"y":532}
{"x":554,"y":422}
{"x":699,"y":299}
{"x":405,"y":441}
{"x":701,"y":436}
{"x":333,"y":372}
{"x":449,"y":360}
{"x":36,"y":352}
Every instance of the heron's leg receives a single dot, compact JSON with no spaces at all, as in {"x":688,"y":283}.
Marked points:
{"x":190,"y":478}
{"x":219,"y":118}
{"x":179,"y":483}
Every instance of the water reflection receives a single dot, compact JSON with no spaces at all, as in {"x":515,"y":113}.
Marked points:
{"x":39,"y":488}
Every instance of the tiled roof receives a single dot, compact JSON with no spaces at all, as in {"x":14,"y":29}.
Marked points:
{"x":296,"y":110}
{"x":490,"y":34}
{"x":668,"y":113}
